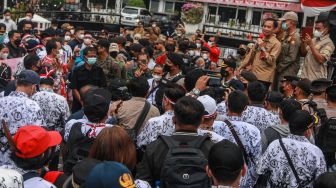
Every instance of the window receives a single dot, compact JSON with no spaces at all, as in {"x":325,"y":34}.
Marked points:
{"x":130,"y":11}
{"x":212,"y":10}
{"x":144,"y":12}
{"x":256,"y":17}
{"x":155,"y":5}
{"x":169,"y":7}
{"x":241,"y":15}
{"x":226,"y":13}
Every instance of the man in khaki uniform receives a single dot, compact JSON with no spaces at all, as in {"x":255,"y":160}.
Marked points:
{"x":317,"y":51}
{"x":261,"y":60}
{"x":288,"y":63}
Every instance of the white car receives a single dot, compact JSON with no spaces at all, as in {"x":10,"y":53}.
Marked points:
{"x":130,"y":16}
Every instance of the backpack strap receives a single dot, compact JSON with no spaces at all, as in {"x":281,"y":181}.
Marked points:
{"x":29,"y":175}
{"x":177,"y":78}
{"x":142,"y":117}
{"x":171,"y":143}
{"x":238,"y":141}
{"x":290,"y":162}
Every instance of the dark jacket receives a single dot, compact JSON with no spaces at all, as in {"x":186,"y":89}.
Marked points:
{"x":149,"y":169}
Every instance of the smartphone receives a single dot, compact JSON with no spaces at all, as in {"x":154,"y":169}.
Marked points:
{"x":214,"y":82}
{"x":307,"y":30}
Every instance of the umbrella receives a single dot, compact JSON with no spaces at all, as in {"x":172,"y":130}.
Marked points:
{"x":315,"y":7}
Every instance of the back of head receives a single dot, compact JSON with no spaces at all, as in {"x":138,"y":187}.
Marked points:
{"x":331,"y":93}
{"x":30,"y":60}
{"x":300,"y":121}
{"x":256,"y":91}
{"x":174,"y":92}
{"x":191,"y":78}
{"x":96,"y":104}
{"x":237,"y":102}
{"x":326,"y":180}
{"x":226,"y":169}
{"x":188,"y":111}
{"x":288,"y":107}
{"x":138,"y":87}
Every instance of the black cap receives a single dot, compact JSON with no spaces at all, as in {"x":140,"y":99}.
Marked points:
{"x":204,"y":48}
{"x":175,"y":58}
{"x":96,"y":104}
{"x":104,"y":43}
{"x":229,"y":63}
{"x":249,"y":76}
{"x":301,"y":120}
{"x":29,"y":77}
{"x":231,"y":164}
{"x":236,"y":85}
{"x":82,"y":170}
{"x":291,"y":79}
{"x":305,"y":85}
{"x":274,"y":97}
{"x":323,"y":17}
{"x":136,"y":47}
{"x":320,"y":85}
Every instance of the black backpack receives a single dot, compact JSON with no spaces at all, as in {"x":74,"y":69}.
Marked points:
{"x":184,"y":165}
{"x":77,"y":148}
{"x":327,"y":140}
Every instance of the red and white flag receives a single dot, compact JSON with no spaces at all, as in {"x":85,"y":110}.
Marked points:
{"x":315,"y":7}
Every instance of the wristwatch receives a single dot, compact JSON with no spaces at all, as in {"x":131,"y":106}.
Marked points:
{"x":196,"y":91}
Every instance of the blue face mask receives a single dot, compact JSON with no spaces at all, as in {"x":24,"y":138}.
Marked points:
{"x":2,"y":37}
{"x":284,"y":26}
{"x":91,"y":60}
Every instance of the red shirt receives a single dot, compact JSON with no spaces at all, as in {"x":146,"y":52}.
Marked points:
{"x":214,"y":52}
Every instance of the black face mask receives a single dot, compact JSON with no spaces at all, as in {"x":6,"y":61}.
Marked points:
{"x":282,"y":89}
{"x":17,"y":42}
{"x":28,"y":31}
{"x":224,"y":73}
{"x":241,"y":52}
{"x":114,"y":54}
{"x":166,"y":68}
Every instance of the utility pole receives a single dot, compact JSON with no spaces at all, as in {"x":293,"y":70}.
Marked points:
{"x":5,"y":4}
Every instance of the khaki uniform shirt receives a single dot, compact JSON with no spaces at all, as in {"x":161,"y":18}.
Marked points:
{"x":130,"y":111}
{"x":264,"y":69}
{"x":288,"y":63}
{"x":311,"y":68}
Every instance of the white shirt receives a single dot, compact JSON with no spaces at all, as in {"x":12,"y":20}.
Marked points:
{"x":308,"y":161}
{"x":10,"y":24}
{"x":55,"y":108}
{"x":87,"y":128}
{"x":163,"y":125}
{"x":17,"y":110}
{"x":250,"y":138}
{"x":152,"y":84}
{"x":257,"y":116}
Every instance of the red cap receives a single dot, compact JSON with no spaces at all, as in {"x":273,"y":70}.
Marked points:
{"x":32,"y":141}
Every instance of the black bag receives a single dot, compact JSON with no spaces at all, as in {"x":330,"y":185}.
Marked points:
{"x":133,"y":133}
{"x":77,"y":148}
{"x":184,"y":165}
{"x":327,"y":140}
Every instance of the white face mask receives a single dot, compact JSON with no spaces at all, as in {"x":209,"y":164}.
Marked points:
{"x":179,"y":34}
{"x":198,"y":45}
{"x":154,"y":25}
{"x":28,"y":18}
{"x":156,"y":77}
{"x":87,"y":41}
{"x":205,"y":56}
{"x":197,"y":53}
{"x":3,"y":55}
{"x":210,"y":43}
{"x":72,"y":31}
{"x":7,"y":17}
{"x":67,"y":38}
{"x":191,"y":52}
{"x":318,"y":34}
{"x":81,"y":36}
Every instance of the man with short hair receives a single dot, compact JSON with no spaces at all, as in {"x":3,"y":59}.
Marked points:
{"x":130,"y":110}
{"x":79,"y":36}
{"x":229,"y":170}
{"x":307,"y":159}
{"x":187,"y":117}
{"x":214,"y":50}
{"x":248,"y":135}
{"x":331,"y":101}
{"x":18,"y":110}
{"x":261,"y":60}
{"x":7,"y":20}
{"x":288,"y":62}
{"x":302,"y":92}
{"x":15,"y":51}
{"x":318,"y":88}
{"x":272,"y":101}
{"x":317,"y":51}
{"x":3,"y":34}
{"x":227,"y":71}
{"x":271,"y":133}
{"x":287,"y":86}
{"x":88,"y":73}
{"x":105,"y":61}
{"x":154,"y":83}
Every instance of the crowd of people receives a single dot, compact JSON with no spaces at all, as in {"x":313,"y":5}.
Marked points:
{"x":144,"y":109}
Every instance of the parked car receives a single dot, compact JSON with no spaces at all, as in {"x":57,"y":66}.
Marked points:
{"x":164,"y":20}
{"x":130,"y":16}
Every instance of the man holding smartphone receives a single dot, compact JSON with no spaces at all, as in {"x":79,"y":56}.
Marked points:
{"x":317,"y":51}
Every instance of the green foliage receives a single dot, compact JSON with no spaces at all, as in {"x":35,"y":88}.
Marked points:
{"x":136,"y":3}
